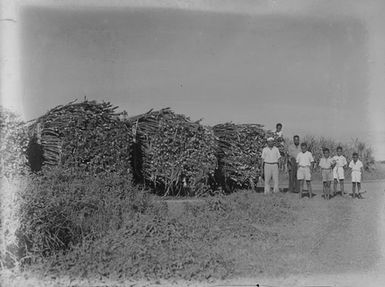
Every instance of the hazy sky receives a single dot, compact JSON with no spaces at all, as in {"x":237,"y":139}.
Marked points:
{"x":309,"y":71}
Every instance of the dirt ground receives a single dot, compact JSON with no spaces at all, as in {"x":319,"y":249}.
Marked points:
{"x":340,"y":242}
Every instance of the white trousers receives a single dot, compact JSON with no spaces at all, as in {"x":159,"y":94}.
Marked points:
{"x":271,"y":173}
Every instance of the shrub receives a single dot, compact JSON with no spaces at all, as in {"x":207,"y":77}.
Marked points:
{"x":13,"y":143}
{"x":61,"y":208}
{"x":316,"y":144}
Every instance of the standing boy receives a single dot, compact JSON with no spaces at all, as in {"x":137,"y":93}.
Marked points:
{"x":305,"y":163}
{"x":270,"y":158}
{"x":326,"y":163}
{"x":356,"y":167}
{"x":338,"y":170}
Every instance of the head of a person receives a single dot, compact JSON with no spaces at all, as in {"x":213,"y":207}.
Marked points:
{"x":339,"y":150}
{"x":270,"y":142}
{"x":296,"y":139}
{"x":278,"y":127}
{"x":303,"y":147}
{"x":355,"y":156}
{"x":326,"y":152}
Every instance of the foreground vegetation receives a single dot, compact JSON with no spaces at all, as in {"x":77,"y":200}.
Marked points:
{"x":104,"y":226}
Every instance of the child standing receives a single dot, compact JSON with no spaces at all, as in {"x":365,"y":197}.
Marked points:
{"x":278,"y":130}
{"x":338,"y":170}
{"x":305,"y":163}
{"x":356,"y":167}
{"x":326,"y":164}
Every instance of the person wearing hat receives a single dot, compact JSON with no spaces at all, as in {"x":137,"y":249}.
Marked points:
{"x":270,"y":159}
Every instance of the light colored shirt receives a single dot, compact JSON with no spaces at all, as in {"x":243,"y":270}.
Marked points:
{"x":305,"y":158}
{"x":271,"y":155}
{"x":294,"y":150}
{"x":356,"y":166}
{"x":326,"y":163}
{"x":340,"y":160}
{"x":279,"y":134}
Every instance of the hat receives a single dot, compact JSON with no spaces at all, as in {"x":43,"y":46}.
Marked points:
{"x":270,"y":139}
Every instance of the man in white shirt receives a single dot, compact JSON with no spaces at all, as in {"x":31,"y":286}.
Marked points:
{"x":338,"y":170}
{"x":356,"y":167}
{"x":305,"y":163}
{"x":270,"y":158}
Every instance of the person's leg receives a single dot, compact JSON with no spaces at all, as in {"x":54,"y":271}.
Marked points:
{"x":300,"y":188}
{"x":308,"y":182}
{"x":296,"y":182}
{"x":342,"y":187}
{"x":275,"y":175}
{"x":335,"y":186}
{"x":328,"y":186}
{"x":267,"y":178}
{"x":353,"y":189}
{"x":358,"y":187}
{"x":324,"y":189}
{"x":291,"y":178}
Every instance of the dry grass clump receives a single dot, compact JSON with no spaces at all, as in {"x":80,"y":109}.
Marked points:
{"x":203,"y":243}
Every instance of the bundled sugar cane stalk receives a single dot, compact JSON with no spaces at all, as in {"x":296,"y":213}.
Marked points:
{"x":89,"y":135}
{"x":239,"y":154}
{"x":178,"y":155}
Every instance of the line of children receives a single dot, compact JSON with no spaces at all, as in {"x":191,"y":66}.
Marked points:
{"x":332,"y":169}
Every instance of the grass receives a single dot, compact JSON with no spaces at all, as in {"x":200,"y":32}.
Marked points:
{"x":206,"y":241}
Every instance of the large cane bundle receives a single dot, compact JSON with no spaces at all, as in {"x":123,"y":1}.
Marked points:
{"x":178,"y":154}
{"x":87,"y":134}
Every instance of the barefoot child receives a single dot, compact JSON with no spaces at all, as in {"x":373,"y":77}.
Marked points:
{"x":326,"y":164}
{"x":356,"y":168}
{"x":338,"y":170}
{"x":305,"y":163}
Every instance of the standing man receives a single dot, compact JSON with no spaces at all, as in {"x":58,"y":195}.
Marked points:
{"x":293,"y":150}
{"x":270,"y":158}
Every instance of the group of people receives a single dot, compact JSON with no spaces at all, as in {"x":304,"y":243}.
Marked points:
{"x":301,"y":164}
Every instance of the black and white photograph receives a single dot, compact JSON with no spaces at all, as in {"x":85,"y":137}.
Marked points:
{"x":192,"y":143}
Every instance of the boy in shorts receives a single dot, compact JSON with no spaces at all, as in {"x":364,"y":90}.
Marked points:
{"x":356,"y":167}
{"x":338,"y":170}
{"x":305,"y":163}
{"x":326,"y":164}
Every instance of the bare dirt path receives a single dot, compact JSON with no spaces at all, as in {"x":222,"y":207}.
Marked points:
{"x":342,"y":243}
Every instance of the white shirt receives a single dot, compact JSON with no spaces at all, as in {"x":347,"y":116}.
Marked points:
{"x":305,"y":158}
{"x":340,"y":160}
{"x":356,"y":166}
{"x":294,"y":150}
{"x":326,"y":163}
{"x":271,"y":155}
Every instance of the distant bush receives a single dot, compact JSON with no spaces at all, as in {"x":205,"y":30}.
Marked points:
{"x":316,"y":144}
{"x":61,"y":208}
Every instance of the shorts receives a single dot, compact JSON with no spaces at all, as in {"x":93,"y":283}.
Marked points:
{"x":356,"y":176}
{"x":303,"y":173}
{"x":338,"y":173}
{"x":327,"y":175}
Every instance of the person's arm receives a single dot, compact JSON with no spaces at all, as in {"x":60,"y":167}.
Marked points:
{"x":297,"y":161}
{"x":263,"y":163}
{"x":312,"y":162}
{"x":345,"y":163}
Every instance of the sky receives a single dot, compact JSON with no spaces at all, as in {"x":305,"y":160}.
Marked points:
{"x":318,"y":69}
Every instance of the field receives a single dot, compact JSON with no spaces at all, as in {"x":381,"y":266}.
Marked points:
{"x":170,"y":215}
{"x":236,"y":239}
